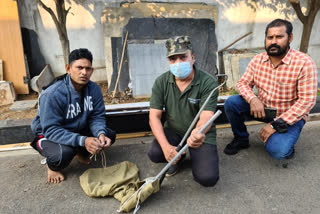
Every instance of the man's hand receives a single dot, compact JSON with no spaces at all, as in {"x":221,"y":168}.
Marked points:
{"x":266,"y":132}
{"x":257,"y":108}
{"x":195,"y":140}
{"x":170,"y":152}
{"x":105,"y":141}
{"x":93,"y":145}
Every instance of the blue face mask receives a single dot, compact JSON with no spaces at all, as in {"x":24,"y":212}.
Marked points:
{"x":181,"y":70}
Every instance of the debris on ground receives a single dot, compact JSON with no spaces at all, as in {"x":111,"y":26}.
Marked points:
{"x":120,"y":97}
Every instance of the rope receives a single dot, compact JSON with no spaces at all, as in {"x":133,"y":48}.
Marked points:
{"x":148,"y":180}
{"x":103,"y":158}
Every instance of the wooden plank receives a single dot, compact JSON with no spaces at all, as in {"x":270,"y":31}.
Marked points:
{"x":133,"y":135}
{"x":11,"y":48}
{"x":26,"y":145}
{"x":17,"y":146}
{"x":7,"y":93}
{"x":1,"y":70}
{"x":247,"y":123}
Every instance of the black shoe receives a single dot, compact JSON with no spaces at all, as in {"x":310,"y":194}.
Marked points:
{"x":236,"y":145}
{"x":291,"y":155}
{"x":162,"y":178}
{"x":173,"y":169}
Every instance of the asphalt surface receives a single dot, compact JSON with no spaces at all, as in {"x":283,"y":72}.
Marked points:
{"x":250,"y":182}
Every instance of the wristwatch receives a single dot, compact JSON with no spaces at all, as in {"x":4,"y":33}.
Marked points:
{"x":279,"y":125}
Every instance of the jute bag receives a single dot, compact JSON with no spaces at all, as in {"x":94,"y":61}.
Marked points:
{"x":120,"y":181}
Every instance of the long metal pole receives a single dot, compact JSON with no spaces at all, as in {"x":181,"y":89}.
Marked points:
{"x":198,"y":115}
{"x":204,"y":127}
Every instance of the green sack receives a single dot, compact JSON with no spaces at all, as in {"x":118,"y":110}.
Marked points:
{"x":127,"y":203}
{"x":101,"y":182}
{"x":120,"y":181}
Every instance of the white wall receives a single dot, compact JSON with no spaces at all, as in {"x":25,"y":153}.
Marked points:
{"x":84,"y":31}
{"x":235,"y":18}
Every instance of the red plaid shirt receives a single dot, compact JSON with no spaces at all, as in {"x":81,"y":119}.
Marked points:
{"x":291,"y":87}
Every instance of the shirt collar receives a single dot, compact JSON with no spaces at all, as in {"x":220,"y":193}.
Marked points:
{"x":285,"y":60}
{"x":171,"y":77}
{"x":288,"y":57}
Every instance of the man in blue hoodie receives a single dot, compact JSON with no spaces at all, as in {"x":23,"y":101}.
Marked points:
{"x":71,"y":118}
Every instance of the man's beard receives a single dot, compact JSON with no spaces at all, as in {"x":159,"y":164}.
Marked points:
{"x":280,"y":52}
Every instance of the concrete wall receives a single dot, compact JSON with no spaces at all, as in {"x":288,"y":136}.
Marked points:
{"x":233,"y":19}
{"x":84,"y":30}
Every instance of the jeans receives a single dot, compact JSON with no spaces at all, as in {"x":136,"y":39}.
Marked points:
{"x":279,"y":145}
{"x":204,"y":160}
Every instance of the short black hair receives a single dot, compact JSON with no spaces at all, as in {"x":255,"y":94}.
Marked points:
{"x":278,"y":23}
{"x":79,"y":54}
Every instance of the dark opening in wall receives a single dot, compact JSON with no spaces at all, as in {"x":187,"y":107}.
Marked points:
{"x":148,"y":30}
{"x":35,"y":59}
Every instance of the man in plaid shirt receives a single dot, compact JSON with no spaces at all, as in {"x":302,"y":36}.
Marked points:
{"x":286,"y":80}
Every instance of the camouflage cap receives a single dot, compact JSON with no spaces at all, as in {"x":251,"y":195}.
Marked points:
{"x":178,"y":45}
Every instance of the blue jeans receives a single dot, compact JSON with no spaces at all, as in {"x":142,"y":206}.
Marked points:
{"x":279,"y":146}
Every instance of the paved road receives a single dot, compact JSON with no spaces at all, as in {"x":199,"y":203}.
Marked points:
{"x":250,"y":182}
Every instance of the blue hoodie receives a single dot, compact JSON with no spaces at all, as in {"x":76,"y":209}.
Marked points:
{"x":63,"y":115}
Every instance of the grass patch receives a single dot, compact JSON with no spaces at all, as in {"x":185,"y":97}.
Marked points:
{"x":228,"y":92}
